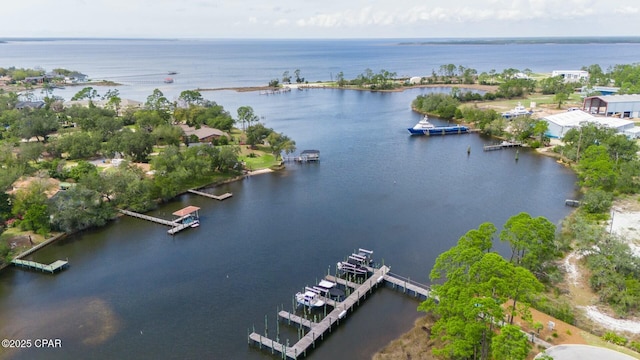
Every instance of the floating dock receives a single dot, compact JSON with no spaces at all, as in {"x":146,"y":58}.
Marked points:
{"x":217,"y":197}
{"x":58,"y":265}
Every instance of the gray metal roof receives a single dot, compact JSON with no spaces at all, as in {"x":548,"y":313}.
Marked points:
{"x":618,"y":98}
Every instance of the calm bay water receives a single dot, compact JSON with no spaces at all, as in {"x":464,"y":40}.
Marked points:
{"x":132,"y":291}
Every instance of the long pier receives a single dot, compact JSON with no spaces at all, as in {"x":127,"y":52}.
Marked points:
{"x":58,"y":265}
{"x":217,"y":197}
{"x":150,"y":218}
{"x":317,"y":330}
{"x":176,"y":225}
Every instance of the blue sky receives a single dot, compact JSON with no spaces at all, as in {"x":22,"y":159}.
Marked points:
{"x":319,"y":18}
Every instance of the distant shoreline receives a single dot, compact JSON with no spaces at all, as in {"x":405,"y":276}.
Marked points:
{"x":324,"y":85}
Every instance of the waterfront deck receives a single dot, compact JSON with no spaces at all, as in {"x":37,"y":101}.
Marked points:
{"x":212,"y":196}
{"x":56,"y":266}
{"x":317,"y":330}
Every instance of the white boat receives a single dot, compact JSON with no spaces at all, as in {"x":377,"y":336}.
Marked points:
{"x":309,"y":298}
{"x":519,"y":110}
{"x":424,"y":127}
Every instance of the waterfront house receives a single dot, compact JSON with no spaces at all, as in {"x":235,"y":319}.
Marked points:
{"x":204,"y":133}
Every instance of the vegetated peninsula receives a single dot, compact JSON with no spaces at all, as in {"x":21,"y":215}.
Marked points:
{"x":103,"y":152}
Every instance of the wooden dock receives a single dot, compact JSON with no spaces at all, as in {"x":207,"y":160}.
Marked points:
{"x":58,"y":265}
{"x":150,"y":218}
{"x":296,"y":319}
{"x":502,"y":145}
{"x":317,"y":330}
{"x":217,"y":197}
{"x":175,"y":225}
{"x":407,"y":285}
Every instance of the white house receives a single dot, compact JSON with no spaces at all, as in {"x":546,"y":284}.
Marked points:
{"x":571,"y":75}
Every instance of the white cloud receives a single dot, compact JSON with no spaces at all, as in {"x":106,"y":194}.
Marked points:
{"x":627,"y":10}
{"x":334,"y":18}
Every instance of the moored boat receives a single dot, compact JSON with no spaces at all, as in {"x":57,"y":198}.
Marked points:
{"x":168,"y":80}
{"x":309,"y":298}
{"x":519,"y":110}
{"x":424,"y":127}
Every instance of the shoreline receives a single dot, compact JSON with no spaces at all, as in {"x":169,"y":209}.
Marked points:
{"x":63,"y":235}
{"x":327,"y":85}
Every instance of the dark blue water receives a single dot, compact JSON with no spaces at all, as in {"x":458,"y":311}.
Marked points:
{"x":133,"y":291}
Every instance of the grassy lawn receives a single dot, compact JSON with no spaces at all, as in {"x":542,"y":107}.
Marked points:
{"x":261,"y":161}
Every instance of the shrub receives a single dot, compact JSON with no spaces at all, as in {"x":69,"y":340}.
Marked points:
{"x":614,"y":338}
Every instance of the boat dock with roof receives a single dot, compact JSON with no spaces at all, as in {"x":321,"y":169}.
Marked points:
{"x":186,"y":217}
{"x":313,"y":328}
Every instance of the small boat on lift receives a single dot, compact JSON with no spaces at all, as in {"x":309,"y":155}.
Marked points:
{"x":309,"y":298}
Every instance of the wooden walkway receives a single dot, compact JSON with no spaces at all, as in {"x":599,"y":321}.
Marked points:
{"x":217,"y":197}
{"x":317,"y":330}
{"x":341,"y":281}
{"x":407,"y":285}
{"x":58,"y":265}
{"x":176,"y":225}
{"x":502,"y":145}
{"x":296,"y":319}
{"x":150,"y":218}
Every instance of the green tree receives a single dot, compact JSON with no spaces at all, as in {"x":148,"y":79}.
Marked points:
{"x":30,"y":204}
{"x":532,"y":242}
{"x":86,"y":93}
{"x":159,"y":103}
{"x":510,"y":344}
{"x":191,"y":97}
{"x":246,"y":115}
{"x":596,"y":168}
{"x":279,"y":143}
{"x":257,"y":133}
{"x":136,"y":145}
{"x":79,"y":208}
{"x":78,"y":145}
{"x":38,"y":124}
